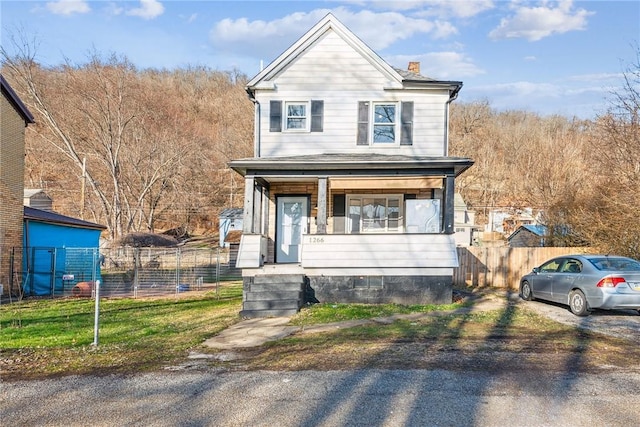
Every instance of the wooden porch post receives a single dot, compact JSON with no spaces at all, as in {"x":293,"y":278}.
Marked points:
{"x":321,"y":219}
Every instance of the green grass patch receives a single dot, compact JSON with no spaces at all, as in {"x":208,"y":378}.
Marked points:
{"x":327,"y":313}
{"x":56,"y":336}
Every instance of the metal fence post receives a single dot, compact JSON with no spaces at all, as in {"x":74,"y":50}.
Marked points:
{"x":96,"y":321}
{"x":177,"y":271}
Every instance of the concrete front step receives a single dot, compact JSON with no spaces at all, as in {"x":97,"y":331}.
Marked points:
{"x":274,"y":295}
{"x":276,"y":287}
{"x":274,"y":279}
{"x":251,"y":314}
{"x":292,"y":304}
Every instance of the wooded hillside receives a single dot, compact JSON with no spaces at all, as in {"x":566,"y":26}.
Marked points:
{"x":155,"y":146}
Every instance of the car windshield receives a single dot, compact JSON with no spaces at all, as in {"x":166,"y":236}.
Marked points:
{"x":615,"y":264}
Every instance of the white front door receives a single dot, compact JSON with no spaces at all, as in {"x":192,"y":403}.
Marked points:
{"x":292,"y":223}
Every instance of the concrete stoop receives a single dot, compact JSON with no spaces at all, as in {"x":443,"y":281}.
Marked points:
{"x":273,"y":295}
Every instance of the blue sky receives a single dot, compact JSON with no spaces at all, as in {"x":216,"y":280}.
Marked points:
{"x":548,"y":57}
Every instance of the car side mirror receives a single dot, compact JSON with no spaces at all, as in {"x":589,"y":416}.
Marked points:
{"x":535,"y":270}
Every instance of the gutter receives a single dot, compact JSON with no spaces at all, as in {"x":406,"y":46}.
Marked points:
{"x":453,"y":95}
{"x":256,"y":121}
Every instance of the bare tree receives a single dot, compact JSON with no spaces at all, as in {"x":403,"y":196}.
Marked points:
{"x":608,"y":217}
{"x":146,"y":136}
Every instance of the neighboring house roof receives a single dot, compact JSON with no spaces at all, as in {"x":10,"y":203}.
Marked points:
{"x":357,"y":164}
{"x":33,"y":214}
{"x":13,"y":98}
{"x":233,"y":236}
{"x":538,"y":230}
{"x":232,"y":213}
{"x":30,"y":192}
{"x":397,"y":78}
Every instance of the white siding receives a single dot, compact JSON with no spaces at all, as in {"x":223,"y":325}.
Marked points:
{"x":252,"y":251}
{"x":332,"y":71}
{"x":380,"y":251}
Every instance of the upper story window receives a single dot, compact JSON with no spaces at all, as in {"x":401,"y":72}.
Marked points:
{"x":297,"y":116}
{"x":385,"y":123}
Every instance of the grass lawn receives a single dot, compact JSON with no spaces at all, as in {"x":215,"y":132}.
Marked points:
{"x":48,"y":337}
{"x":40,"y":338}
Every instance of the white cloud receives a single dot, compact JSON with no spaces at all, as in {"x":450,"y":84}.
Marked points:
{"x":530,"y":58}
{"x":439,"y":65}
{"x":148,"y":9}
{"x":191,"y":18}
{"x":535,"y":23}
{"x":68,"y":7}
{"x":603,"y":77}
{"x":113,"y":9}
{"x":441,"y":8}
{"x":377,"y":30}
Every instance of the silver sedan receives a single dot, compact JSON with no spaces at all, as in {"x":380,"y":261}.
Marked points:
{"x":585,"y":282}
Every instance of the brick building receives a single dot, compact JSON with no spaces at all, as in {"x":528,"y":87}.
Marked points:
{"x":14,"y":118}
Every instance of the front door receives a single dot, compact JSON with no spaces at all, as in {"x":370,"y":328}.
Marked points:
{"x":291,"y":224}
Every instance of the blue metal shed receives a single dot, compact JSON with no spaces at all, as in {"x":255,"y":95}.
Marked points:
{"x":59,"y":251}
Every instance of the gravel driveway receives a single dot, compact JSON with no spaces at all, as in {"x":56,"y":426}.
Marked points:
{"x":616,"y":323}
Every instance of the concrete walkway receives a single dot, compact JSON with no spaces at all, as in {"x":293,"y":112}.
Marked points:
{"x":255,"y":332}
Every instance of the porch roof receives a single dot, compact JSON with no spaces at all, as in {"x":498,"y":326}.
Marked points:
{"x":366,"y":164}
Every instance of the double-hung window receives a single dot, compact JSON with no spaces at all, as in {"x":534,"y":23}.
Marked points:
{"x":296,"y":116}
{"x":385,"y":123}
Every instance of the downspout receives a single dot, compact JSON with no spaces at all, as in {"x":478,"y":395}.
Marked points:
{"x":452,"y":97}
{"x":256,"y":123}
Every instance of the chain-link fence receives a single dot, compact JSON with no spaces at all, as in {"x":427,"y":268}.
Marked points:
{"x":123,"y":271}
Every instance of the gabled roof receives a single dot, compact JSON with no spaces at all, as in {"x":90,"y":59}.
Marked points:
{"x":30,"y":192}
{"x":58,"y":219}
{"x":538,"y":230}
{"x":232,"y":213}
{"x":13,"y":98}
{"x":330,"y":23}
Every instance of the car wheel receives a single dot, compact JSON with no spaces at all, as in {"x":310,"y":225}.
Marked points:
{"x":578,"y":303}
{"x":525,"y":291}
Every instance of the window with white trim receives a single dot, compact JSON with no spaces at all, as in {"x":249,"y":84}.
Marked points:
{"x":296,"y":116}
{"x":385,"y":123}
{"x":380,"y":213}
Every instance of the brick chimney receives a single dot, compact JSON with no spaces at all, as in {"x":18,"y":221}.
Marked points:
{"x":414,"y":67}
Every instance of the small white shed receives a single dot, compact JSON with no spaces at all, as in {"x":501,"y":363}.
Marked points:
{"x":230,"y":219}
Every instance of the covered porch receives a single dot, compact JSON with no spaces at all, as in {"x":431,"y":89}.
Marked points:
{"x":370,"y":227}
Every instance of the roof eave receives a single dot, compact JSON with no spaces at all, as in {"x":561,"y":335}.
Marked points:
{"x":15,"y":100}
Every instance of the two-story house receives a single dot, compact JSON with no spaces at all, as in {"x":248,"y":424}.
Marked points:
{"x":350,"y":195}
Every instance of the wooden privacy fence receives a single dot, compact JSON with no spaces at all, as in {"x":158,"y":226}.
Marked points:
{"x":502,"y":267}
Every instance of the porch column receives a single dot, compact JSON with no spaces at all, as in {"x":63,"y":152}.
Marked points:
{"x":248,"y":221}
{"x":321,"y":219}
{"x":257,"y":208}
{"x":449,"y":214}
